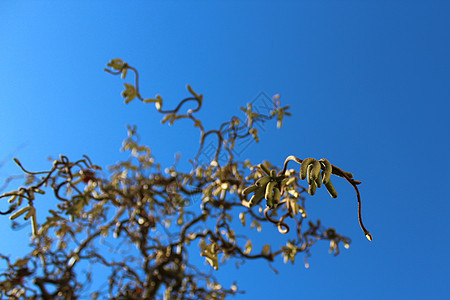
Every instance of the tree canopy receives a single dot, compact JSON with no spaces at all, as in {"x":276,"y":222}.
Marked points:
{"x":143,"y":223}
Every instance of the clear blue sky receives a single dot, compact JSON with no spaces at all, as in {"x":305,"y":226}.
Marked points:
{"x":367,"y":81}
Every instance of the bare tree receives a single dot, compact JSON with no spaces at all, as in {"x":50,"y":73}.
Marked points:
{"x":140,"y":223}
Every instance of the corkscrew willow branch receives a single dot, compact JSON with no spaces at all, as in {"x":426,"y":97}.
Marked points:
{"x":122,"y":68}
{"x":341,"y":173}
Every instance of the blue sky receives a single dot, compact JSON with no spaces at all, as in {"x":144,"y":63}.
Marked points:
{"x":368,"y":86}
